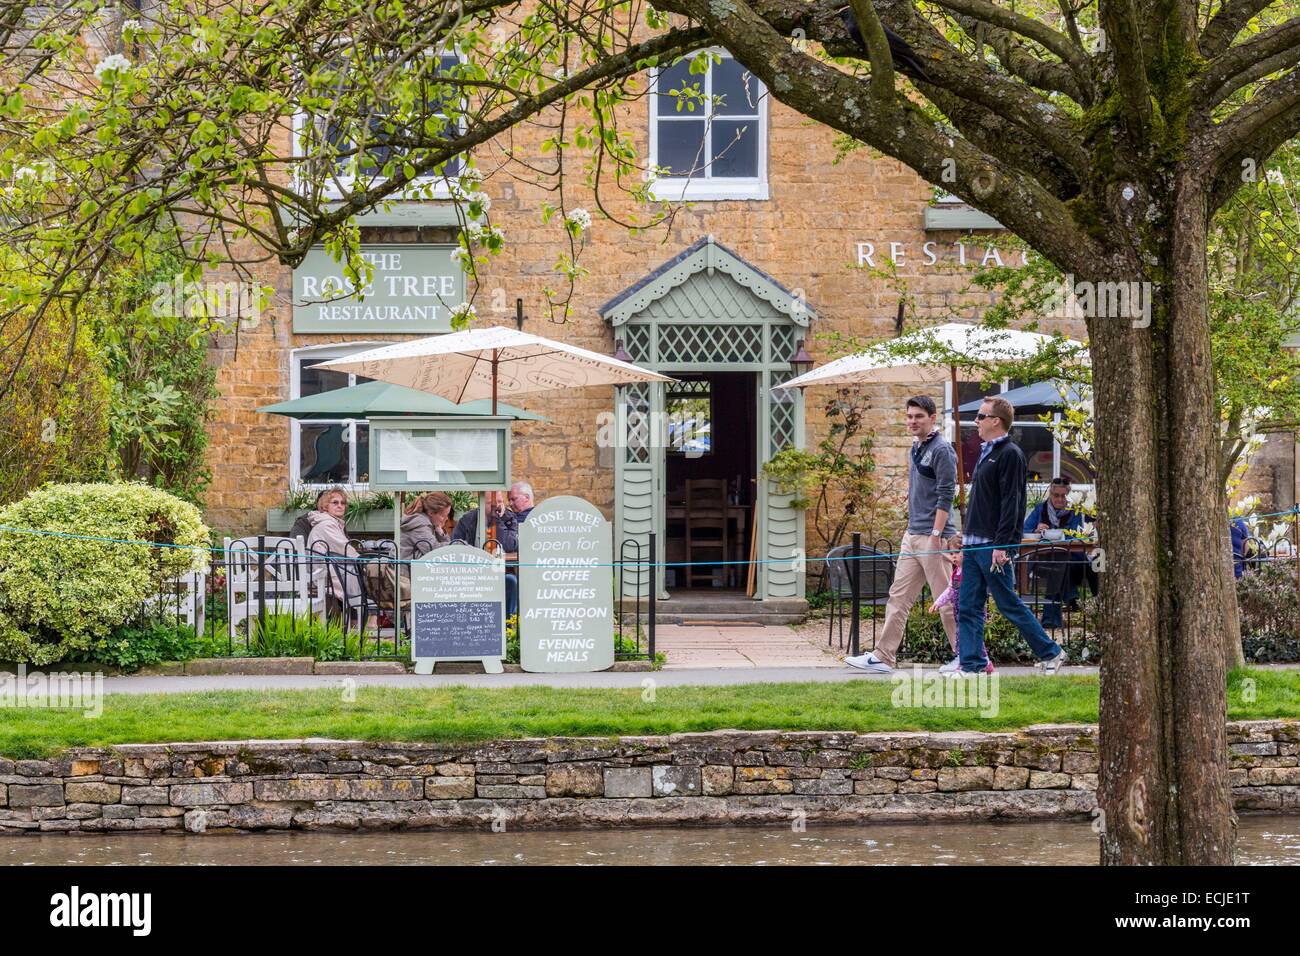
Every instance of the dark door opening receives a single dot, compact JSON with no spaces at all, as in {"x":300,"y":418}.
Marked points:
{"x":710,"y":480}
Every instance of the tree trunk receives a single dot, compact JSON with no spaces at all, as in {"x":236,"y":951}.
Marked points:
{"x":1164,"y":777}
{"x":1232,"y":653}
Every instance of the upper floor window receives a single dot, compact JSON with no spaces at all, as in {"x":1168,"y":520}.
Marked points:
{"x":709,"y":131}
{"x":354,"y":170}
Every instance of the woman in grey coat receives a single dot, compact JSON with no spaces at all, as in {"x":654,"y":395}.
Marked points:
{"x":424,"y":525}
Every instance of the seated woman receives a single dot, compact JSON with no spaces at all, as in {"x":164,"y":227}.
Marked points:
{"x":329,"y":537}
{"x":302,"y":526}
{"x":424,"y":525}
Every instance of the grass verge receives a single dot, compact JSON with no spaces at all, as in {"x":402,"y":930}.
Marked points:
{"x":463,"y":714}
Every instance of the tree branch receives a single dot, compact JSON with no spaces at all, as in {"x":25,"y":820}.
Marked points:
{"x":1227,"y":23}
{"x":1027,"y":27}
{"x":1019,"y":61}
{"x":1265,"y":53}
{"x":882,"y":61}
{"x":1019,"y":107}
{"x":1124,"y":36}
{"x":1252,"y":133}
{"x":996,"y":135}
{"x":620,"y":65}
{"x":824,"y":93}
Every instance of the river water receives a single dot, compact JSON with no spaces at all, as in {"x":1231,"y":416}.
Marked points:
{"x":1263,"y":839}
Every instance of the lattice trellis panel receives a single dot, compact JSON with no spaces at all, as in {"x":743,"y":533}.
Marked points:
{"x":636,"y":341}
{"x":636,"y":424}
{"x":710,"y":343}
{"x":783,"y":339}
{"x":782,"y":408}
{"x":689,"y":388}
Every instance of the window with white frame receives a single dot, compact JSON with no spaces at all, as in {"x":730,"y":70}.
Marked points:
{"x":352,"y":173}
{"x":333,"y":451}
{"x":709,"y":131}
{"x":1045,"y":457}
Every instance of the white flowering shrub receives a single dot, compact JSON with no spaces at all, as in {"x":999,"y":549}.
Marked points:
{"x":578,"y":220}
{"x":68,"y":572}
{"x":114,"y":63}
{"x":462,"y":316}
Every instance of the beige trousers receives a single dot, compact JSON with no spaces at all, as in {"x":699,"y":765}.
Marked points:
{"x":918,"y":563}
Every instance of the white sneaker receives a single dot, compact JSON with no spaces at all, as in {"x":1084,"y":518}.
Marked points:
{"x":1053,"y":665}
{"x":952,"y":667}
{"x":869,"y":662}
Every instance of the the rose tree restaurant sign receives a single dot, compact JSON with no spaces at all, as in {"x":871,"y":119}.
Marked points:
{"x":566,"y":588}
{"x":413,"y":289}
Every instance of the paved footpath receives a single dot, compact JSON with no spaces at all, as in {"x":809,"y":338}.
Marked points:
{"x":706,"y":677}
{"x":696,"y":647}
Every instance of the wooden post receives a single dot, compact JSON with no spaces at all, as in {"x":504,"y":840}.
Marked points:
{"x":855,"y":594}
{"x":753,"y":550}
{"x":961,"y":469}
{"x":397,"y":571}
{"x":1295,"y":548}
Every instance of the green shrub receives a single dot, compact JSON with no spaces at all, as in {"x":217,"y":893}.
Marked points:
{"x":284,"y":635}
{"x":817,"y":600}
{"x":61,"y":592}
{"x":512,"y":639}
{"x":133,"y":646}
{"x":925,"y":641}
{"x":1266,"y":598}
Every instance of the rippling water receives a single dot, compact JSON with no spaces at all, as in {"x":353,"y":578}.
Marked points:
{"x":1262,"y":840}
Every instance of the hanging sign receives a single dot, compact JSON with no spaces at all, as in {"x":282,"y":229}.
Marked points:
{"x":566,"y":588}
{"x":413,"y":288}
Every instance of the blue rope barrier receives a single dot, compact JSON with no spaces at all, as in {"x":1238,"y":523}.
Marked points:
{"x":316,"y":556}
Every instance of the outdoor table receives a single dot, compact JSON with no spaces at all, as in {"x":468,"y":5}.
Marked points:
{"x":1029,"y":545}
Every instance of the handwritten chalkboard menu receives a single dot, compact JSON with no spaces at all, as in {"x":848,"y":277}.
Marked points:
{"x":566,"y":588}
{"x":458,"y":629}
{"x":458,"y":598}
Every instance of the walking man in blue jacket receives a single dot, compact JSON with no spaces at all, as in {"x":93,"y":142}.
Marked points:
{"x":990,"y":535}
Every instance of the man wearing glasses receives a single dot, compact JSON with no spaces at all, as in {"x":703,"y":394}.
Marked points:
{"x":993,"y":527}
{"x":931,"y":481}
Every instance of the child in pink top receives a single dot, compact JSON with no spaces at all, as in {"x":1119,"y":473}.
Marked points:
{"x":949,"y":599}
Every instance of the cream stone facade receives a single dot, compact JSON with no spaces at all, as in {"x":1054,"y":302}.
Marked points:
{"x":827,"y":221}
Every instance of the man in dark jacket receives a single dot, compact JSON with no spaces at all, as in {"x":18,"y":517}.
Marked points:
{"x":992,"y":529}
{"x":499,"y":517}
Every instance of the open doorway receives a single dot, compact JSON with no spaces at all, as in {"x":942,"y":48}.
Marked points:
{"x":710,"y":480}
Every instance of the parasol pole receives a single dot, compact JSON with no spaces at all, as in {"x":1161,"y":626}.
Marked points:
{"x":494,"y":381}
{"x":961,"y":470}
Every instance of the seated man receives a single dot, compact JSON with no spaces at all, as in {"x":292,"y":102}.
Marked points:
{"x":1054,"y":513}
{"x":1243,"y":549}
{"x":506,"y":523}
{"x":521,"y":500}
{"x":500,"y":519}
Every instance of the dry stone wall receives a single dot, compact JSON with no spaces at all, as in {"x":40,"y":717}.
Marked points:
{"x":722,"y":777}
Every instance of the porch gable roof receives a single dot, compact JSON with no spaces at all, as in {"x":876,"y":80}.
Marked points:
{"x":706,"y":255}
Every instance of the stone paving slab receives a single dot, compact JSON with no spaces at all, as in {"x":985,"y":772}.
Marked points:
{"x":743,"y":646}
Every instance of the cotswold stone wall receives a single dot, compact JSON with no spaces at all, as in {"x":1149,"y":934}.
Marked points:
{"x":720,"y":777}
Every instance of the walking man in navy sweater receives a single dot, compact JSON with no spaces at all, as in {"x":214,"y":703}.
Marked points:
{"x":992,"y":529}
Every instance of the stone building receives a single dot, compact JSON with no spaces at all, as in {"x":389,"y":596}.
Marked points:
{"x":780,"y":244}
